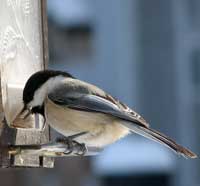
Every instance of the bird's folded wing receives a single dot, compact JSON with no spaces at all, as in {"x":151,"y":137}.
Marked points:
{"x":94,"y":103}
{"x":79,"y":98}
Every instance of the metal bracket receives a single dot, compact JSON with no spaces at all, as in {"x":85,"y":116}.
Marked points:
{"x":52,"y":149}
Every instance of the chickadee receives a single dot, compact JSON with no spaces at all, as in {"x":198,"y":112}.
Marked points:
{"x":72,"y":106}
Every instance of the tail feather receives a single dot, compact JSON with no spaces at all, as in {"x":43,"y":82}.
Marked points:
{"x":161,"y":138}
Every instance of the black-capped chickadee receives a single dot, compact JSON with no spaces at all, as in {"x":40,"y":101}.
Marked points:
{"x":72,"y":106}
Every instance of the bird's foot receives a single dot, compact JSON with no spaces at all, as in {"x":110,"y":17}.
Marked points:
{"x":82,"y":149}
{"x":73,"y":146}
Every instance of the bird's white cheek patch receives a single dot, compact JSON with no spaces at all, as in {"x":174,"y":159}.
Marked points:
{"x":41,"y":94}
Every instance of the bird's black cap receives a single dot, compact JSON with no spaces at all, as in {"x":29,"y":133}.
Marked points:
{"x":37,"y":80}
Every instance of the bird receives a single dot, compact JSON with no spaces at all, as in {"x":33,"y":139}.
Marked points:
{"x":72,"y":107}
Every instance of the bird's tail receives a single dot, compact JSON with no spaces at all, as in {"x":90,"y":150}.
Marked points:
{"x":161,"y":138}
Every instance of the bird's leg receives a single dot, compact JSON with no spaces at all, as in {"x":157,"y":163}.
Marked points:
{"x":71,"y":143}
{"x":62,"y":139}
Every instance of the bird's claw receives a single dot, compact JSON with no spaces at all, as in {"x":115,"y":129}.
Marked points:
{"x":82,"y":148}
{"x":73,"y":145}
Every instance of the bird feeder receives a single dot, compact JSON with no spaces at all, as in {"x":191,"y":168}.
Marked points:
{"x":23,"y":51}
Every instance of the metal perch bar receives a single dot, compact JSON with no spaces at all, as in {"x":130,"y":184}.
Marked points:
{"x":54,"y":149}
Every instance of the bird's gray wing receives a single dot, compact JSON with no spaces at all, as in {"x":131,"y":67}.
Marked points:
{"x":95,"y":103}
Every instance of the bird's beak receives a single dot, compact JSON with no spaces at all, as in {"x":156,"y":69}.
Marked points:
{"x":20,"y":120}
{"x":24,"y":113}
{"x":23,"y":120}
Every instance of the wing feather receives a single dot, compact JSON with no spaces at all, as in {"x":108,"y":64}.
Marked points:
{"x":81,"y":97}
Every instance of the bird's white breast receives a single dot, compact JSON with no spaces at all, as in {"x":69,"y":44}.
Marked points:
{"x":102,"y":129}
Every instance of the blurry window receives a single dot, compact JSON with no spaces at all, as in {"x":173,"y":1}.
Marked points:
{"x":196,"y":67}
{"x":70,"y":31}
{"x":193,"y":7}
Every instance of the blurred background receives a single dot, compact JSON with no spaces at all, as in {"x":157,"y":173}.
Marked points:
{"x":147,"y":54}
